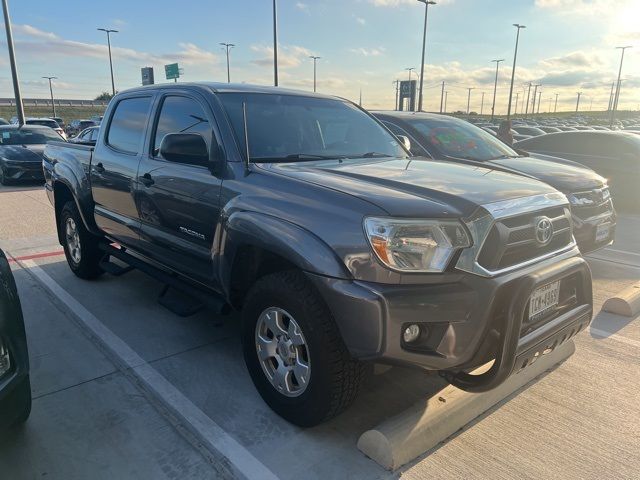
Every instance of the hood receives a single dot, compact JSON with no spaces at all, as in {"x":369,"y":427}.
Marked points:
{"x":29,"y":153}
{"x":415,"y":186}
{"x":562,"y":175}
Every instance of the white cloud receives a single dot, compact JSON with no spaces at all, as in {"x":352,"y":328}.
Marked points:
{"x":302,"y":6}
{"x":34,"y":32}
{"x":288,"y":55}
{"x":360,"y":20}
{"x":397,"y":3}
{"x":368,"y":52}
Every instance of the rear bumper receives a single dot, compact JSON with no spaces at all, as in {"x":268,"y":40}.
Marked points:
{"x":465,"y":323}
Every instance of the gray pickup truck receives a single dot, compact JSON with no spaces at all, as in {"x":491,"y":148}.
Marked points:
{"x":306,"y":214}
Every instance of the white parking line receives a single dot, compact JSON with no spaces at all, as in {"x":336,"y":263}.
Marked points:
{"x":622,"y":251}
{"x":613,"y":336}
{"x":208,"y":431}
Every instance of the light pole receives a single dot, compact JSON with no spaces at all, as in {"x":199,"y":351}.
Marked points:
{"x":469,"y":98}
{"x":410,"y":69}
{"x":611,"y":97}
{"x":424,"y":43}
{"x":275,"y":44}
{"x":555,"y":107}
{"x":397,"y":84}
{"x":578,"y":101}
{"x":441,"y":96}
{"x":228,"y":46}
{"x":12,"y":61}
{"x":617,"y":95}
{"x":495,"y":87}
{"x":533,"y":101}
{"x":109,"y":31}
{"x":482,"y":104}
{"x":513,"y":69}
{"x":539,"y":98}
{"x":526,"y":109}
{"x":446,"y":96}
{"x":53,"y":105}
{"x":315,"y":59}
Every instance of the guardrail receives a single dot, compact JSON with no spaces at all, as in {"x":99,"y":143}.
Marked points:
{"x":43,"y":102}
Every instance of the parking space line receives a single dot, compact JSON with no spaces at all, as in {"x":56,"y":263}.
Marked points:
{"x":613,"y":336}
{"x":622,"y":251}
{"x":36,"y":255}
{"x":208,"y":431}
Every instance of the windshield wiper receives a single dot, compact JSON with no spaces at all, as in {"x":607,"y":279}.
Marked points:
{"x":299,"y":157}
{"x":370,"y":155}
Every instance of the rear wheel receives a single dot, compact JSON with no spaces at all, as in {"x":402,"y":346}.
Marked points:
{"x":294,"y":352}
{"x":80,"y":246}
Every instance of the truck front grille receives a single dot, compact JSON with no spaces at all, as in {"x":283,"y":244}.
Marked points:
{"x":592,"y":203}
{"x":512,"y":240}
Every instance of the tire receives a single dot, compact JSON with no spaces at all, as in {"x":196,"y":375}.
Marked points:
{"x":25,"y":404}
{"x":80,"y":246}
{"x":333,"y":378}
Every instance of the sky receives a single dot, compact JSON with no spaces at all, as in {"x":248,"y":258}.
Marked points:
{"x":364,"y":45}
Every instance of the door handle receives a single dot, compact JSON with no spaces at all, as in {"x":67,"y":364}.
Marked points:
{"x":99,"y":168}
{"x":147,"y":180}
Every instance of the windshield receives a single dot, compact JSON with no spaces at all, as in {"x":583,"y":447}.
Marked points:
{"x":44,"y":123}
{"x":25,"y":136}
{"x":457,"y":138}
{"x":296,"y":128}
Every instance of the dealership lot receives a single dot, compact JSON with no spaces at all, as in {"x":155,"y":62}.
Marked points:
{"x":125,"y":389}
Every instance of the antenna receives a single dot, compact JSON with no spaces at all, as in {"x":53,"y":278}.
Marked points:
{"x":246,"y":134}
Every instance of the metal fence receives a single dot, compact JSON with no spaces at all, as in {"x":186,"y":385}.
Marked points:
{"x":43,"y":102}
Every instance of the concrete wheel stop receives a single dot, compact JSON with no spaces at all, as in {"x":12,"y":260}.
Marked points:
{"x":626,"y":303}
{"x":412,"y":433}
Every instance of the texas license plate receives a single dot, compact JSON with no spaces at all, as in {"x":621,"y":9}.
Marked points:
{"x":602,"y":232}
{"x":543,"y":299}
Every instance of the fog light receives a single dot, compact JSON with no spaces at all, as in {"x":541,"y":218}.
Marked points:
{"x":5,"y":362}
{"x":411,"y":333}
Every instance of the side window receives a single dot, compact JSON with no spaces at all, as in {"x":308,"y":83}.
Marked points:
{"x":94,"y":135}
{"x":416,"y":149}
{"x":128,"y":123}
{"x":181,"y":115}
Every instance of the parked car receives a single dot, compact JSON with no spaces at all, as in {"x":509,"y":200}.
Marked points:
{"x":97,"y":119}
{"x":443,"y":137}
{"x":528,"y":130}
{"x":306,"y":214}
{"x":614,"y":155}
{"x":46,"y":122}
{"x":21,"y":151}
{"x":548,"y":129}
{"x":15,"y":387}
{"x":88,"y":136}
{"x":3,"y":122}
{"x":76,"y":126}
{"x":59,"y":121}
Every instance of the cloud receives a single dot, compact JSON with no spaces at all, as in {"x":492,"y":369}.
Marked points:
{"x":288,"y":55}
{"x":360,"y":20}
{"x":368,"y":52}
{"x":302,"y":6}
{"x":397,"y":3}
{"x":34,"y":32}
{"x":573,"y":59}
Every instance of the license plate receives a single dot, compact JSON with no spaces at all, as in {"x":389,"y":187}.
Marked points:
{"x":543,"y":299}
{"x":602,"y":232}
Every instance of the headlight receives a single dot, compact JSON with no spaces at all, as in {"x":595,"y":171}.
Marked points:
{"x":593,"y":197}
{"x":415,"y":245}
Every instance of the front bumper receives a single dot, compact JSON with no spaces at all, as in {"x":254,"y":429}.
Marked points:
{"x":588,"y":224}
{"x":23,"y":171}
{"x":469,"y":320}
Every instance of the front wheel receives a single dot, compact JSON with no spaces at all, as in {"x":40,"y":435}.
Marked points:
{"x":80,"y":246}
{"x":294,"y":352}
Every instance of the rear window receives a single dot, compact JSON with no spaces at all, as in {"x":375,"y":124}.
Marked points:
{"x":44,"y":123}
{"x":128,"y":123}
{"x":25,"y":136}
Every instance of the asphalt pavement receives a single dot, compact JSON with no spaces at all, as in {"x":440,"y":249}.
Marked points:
{"x":125,"y":389}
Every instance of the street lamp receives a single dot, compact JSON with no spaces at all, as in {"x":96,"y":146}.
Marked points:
{"x":617,"y":95}
{"x":109,"y":31}
{"x":513,"y":69}
{"x":12,"y":61}
{"x":533,"y":103}
{"x":495,"y":87}
{"x":555,"y":107}
{"x":469,"y":98}
{"x":228,"y":46}
{"x":275,"y":44}
{"x":578,"y":101}
{"x":53,"y":105}
{"x":410,"y":69}
{"x":315,"y":59}
{"x":424,"y":42}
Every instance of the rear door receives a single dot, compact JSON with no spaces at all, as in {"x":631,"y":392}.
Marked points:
{"x":179,"y":203}
{"x":114,"y":168}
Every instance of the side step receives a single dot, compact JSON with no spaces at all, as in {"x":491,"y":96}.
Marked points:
{"x":179,"y":296}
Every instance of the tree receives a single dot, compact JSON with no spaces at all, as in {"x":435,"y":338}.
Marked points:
{"x":104,"y":96}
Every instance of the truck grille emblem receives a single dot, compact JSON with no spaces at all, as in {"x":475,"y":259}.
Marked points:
{"x":543,"y":230}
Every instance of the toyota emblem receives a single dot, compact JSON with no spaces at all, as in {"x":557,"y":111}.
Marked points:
{"x":543,"y":230}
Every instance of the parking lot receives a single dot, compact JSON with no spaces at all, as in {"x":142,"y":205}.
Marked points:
{"x":123,"y":388}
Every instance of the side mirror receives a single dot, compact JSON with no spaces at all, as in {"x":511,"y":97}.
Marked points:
{"x":405,"y":141}
{"x":185,"y":148}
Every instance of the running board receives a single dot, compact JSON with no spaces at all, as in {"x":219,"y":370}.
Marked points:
{"x":179,"y":296}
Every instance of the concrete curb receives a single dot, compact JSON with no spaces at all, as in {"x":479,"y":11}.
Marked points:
{"x":626,"y":303}
{"x":402,"y":438}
